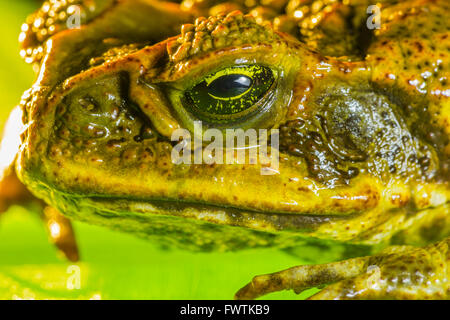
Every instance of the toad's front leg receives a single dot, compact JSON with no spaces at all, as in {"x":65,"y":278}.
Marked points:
{"x":400,"y":272}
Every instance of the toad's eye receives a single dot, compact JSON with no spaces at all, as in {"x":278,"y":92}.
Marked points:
{"x":230,"y":93}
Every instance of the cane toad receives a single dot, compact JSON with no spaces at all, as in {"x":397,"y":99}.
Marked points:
{"x":362,"y":110}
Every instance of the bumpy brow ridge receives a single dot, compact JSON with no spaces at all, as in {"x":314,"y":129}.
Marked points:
{"x":217,"y":32}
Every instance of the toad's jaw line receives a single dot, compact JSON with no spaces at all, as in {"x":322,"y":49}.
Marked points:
{"x":218,"y":214}
{"x":315,"y":225}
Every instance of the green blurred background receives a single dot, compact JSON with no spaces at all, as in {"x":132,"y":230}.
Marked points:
{"x":113,"y":265}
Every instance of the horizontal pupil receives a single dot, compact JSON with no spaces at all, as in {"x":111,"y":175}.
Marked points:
{"x":229,"y":86}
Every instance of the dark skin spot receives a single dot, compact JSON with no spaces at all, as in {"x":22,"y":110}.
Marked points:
{"x":419,"y":46}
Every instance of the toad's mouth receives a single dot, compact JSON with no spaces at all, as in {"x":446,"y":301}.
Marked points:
{"x":318,"y":226}
{"x":155,"y":217}
{"x":119,"y":207}
{"x":260,"y":203}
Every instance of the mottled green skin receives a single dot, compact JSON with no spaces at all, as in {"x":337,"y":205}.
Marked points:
{"x":364,"y":118}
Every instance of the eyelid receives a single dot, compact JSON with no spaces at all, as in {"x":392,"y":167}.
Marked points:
{"x":194,"y":73}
